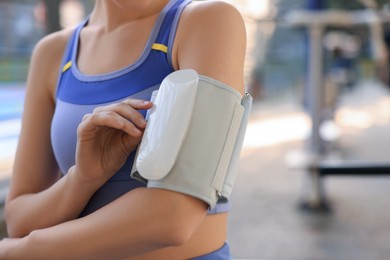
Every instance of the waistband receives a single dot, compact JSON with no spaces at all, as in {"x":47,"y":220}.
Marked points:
{"x":221,"y":254}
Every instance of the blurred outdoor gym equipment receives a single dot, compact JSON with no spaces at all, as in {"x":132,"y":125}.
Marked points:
{"x":316,"y":21}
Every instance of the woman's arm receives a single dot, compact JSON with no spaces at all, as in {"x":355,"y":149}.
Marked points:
{"x":102,"y":149}
{"x":37,"y":199}
{"x":211,"y":40}
{"x":140,"y":221}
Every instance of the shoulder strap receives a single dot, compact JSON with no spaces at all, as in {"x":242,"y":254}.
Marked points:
{"x":67,"y":58}
{"x":167,"y":32}
{"x":66,"y":62}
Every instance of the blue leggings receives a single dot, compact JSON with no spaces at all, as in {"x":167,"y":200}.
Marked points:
{"x":221,"y":254}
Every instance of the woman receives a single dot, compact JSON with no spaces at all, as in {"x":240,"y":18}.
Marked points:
{"x":71,"y":197}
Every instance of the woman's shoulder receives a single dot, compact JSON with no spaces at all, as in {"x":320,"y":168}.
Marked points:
{"x":46,"y":60}
{"x":53,"y":45}
{"x":212,"y":25}
{"x":211,"y":38}
{"x":216,"y":8}
{"x":214,"y":13}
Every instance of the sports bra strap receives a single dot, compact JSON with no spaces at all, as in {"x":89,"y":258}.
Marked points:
{"x":166,"y":35}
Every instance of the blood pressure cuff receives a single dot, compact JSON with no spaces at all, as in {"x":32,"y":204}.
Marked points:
{"x":193,"y":138}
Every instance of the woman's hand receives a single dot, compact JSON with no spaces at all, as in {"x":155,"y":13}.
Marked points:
{"x":106,"y":138}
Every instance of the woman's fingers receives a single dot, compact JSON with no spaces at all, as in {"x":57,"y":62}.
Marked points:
{"x":123,"y":116}
{"x":138,"y":104}
{"x":93,"y":122}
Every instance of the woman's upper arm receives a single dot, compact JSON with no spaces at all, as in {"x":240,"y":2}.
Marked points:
{"x":211,"y":39}
{"x":35,"y":168}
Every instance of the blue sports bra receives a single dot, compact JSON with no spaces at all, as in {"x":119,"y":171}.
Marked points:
{"x":79,"y":94}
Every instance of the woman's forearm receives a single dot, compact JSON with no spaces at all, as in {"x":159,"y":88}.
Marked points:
{"x":63,"y":201}
{"x":141,"y":221}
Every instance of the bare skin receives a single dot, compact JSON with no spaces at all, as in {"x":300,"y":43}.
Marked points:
{"x":144,"y":223}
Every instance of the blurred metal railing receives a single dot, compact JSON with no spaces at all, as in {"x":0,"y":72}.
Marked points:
{"x":353,"y":168}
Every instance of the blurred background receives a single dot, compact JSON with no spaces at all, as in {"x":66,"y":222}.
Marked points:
{"x":313,"y":181}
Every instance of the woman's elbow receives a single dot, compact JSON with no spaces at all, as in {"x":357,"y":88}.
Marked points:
{"x":178,"y":235}
{"x":13,"y":229}
{"x":179,"y":222}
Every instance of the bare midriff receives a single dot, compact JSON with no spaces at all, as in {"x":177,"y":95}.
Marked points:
{"x":210,"y":236}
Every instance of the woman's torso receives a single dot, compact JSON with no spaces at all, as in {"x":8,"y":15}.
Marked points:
{"x":83,"y":86}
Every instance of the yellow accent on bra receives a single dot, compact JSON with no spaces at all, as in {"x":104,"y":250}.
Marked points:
{"x":67,"y":66}
{"x":160,"y":47}
{"x":155,"y":46}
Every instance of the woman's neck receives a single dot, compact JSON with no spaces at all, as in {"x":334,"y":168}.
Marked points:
{"x":110,"y":14}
